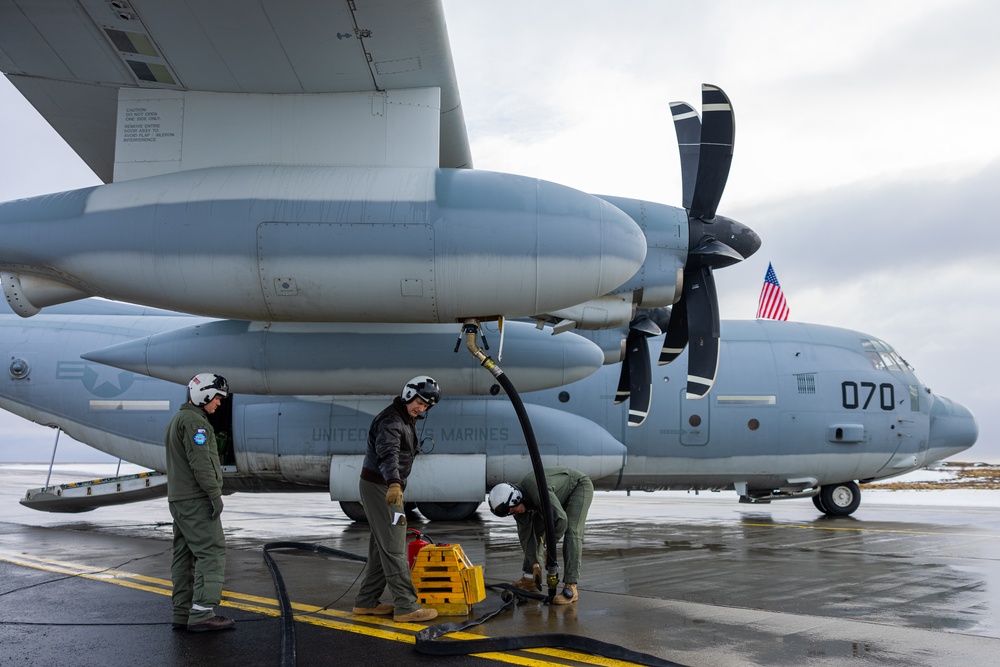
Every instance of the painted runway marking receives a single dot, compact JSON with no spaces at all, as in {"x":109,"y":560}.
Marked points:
{"x":372,"y":626}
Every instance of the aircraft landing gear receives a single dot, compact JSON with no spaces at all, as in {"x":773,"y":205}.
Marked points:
{"x":818,"y":502}
{"x":354,"y":511}
{"x":447,"y":511}
{"x":838,"y":499}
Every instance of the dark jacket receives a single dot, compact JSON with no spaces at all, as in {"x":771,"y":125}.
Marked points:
{"x":392,"y":446}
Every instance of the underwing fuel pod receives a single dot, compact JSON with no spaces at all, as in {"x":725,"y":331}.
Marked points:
{"x":320,"y":244}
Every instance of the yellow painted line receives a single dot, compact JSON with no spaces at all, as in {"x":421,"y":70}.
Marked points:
{"x":81,"y":570}
{"x":583,"y":657}
{"x":372,"y":626}
{"x":110,"y":576}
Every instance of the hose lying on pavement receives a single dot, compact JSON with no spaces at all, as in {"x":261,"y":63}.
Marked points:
{"x":428,"y":643}
{"x":427,"y":640}
{"x":288,"y":657}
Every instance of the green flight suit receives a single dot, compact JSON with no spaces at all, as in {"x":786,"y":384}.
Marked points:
{"x":570,"y":493}
{"x":194,"y":478}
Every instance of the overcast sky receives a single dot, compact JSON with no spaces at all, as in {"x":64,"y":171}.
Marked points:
{"x":867,"y":151}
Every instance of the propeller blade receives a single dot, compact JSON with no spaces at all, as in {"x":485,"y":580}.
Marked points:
{"x":640,"y":376}
{"x":703,"y":311}
{"x":635,"y":382}
{"x":624,"y":381}
{"x":718,"y":131}
{"x":706,"y":151}
{"x":687,"y":125}
{"x":677,"y":328}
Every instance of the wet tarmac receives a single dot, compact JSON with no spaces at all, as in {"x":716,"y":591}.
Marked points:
{"x":696,"y":580}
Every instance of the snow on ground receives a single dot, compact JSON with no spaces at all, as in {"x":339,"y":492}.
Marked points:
{"x":959,"y":474}
{"x":922,"y":475}
{"x":874,"y":493}
{"x":936,"y":497}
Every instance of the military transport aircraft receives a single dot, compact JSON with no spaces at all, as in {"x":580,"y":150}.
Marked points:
{"x":798,"y":410}
{"x":297,"y":175}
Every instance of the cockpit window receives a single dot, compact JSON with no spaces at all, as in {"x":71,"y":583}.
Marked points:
{"x":883,"y":357}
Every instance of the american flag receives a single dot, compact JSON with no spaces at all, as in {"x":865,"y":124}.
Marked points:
{"x":772,"y":299}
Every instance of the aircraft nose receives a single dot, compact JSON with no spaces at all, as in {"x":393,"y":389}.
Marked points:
{"x":953,"y":429}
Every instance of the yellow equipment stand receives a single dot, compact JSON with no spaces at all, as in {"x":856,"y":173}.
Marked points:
{"x":446,"y":580}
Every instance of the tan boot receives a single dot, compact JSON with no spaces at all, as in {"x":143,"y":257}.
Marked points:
{"x":532,"y":583}
{"x":568,"y":595}
{"x":416,"y":616}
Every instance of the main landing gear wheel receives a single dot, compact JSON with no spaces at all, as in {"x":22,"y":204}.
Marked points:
{"x":354,"y":511}
{"x":838,"y":499}
{"x":447,"y":511}
{"x":818,"y":502}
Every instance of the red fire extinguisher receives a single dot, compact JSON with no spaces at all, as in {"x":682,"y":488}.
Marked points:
{"x":415,"y":542}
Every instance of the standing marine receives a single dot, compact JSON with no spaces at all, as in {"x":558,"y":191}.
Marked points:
{"x":194,"y":493}
{"x":392,"y":446}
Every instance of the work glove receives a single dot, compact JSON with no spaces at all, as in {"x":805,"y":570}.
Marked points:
{"x":394,"y":496}
{"x":216,"y":507}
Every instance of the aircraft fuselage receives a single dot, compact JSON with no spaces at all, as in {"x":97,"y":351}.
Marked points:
{"x":795,"y":407}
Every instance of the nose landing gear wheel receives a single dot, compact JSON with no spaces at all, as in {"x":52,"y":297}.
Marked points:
{"x":818,"y":502}
{"x":839,"y":499}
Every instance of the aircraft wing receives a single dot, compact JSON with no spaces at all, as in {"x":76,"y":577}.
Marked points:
{"x":69,"y":58}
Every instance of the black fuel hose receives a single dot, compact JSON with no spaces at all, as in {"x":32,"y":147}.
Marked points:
{"x":551,"y":562}
{"x":288,"y":657}
{"x":428,"y":642}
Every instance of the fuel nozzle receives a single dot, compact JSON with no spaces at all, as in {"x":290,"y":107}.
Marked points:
{"x":469,"y":329}
{"x":552,"y":580}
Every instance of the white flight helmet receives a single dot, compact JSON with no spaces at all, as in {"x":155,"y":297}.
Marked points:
{"x":503,"y":496}
{"x":203,"y":387}
{"x":423,"y":386}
